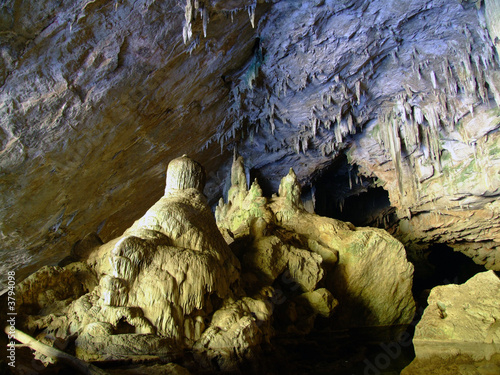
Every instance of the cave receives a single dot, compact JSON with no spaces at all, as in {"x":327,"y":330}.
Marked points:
{"x":342,"y":193}
{"x":250,"y":186}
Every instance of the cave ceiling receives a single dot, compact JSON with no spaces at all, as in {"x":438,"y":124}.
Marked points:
{"x":96,"y":97}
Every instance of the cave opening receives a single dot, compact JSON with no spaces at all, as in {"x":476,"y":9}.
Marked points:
{"x":342,"y":193}
{"x":441,"y":266}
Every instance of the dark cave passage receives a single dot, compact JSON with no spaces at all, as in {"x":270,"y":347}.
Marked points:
{"x":443,"y":266}
{"x":340,"y":192}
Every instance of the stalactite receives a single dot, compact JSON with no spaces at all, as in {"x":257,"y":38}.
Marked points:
{"x":273,"y":126}
{"x":344,"y":129}
{"x":395,"y":56}
{"x":432,"y":116}
{"x":251,"y":14}
{"x":314,"y":126}
{"x":297,"y":144}
{"x":304,"y":144}
{"x":493,"y":88}
{"x":322,"y":149}
{"x":205,"y":18}
{"x":451,"y":84}
{"x":480,"y":79}
{"x":433,"y":79}
{"x":358,"y":92}
{"x":338,"y":133}
{"x":187,"y":32}
{"x":350,"y":124}
{"x":417,"y":114}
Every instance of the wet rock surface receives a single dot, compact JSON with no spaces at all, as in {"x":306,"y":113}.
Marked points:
{"x":461,"y":319}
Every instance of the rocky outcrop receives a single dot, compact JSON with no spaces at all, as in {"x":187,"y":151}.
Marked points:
{"x":492,"y":10}
{"x":160,"y":285}
{"x":171,"y":282}
{"x":280,"y":243}
{"x":459,"y":330}
{"x":461,"y":319}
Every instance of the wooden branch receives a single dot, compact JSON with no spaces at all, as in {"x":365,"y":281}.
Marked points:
{"x":82,"y":366}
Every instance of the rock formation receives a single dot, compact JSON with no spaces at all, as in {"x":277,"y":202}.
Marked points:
{"x":364,"y":268}
{"x":96,"y":97}
{"x":159,"y":283}
{"x":460,"y":328}
{"x":172,"y":282}
{"x":462,"y":318}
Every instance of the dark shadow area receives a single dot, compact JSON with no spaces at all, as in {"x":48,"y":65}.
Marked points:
{"x":444,"y":266}
{"x":356,"y":351}
{"x":340,"y":192}
{"x":264,"y":182}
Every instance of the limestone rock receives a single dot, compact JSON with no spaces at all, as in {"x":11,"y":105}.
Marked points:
{"x":372,"y":280}
{"x":102,"y":346}
{"x":453,"y":364}
{"x":364,"y":268}
{"x":319,"y":301}
{"x":173,"y":261}
{"x":290,"y":189}
{"x":492,"y":12}
{"x":94,"y":106}
{"x":461,"y":319}
{"x":159,"y":283}
{"x":305,"y":307}
{"x":235,"y":334}
{"x":51,"y":288}
{"x":244,"y":205}
{"x":270,"y":257}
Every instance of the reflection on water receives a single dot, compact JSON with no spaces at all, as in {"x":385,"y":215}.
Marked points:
{"x":370,"y":351}
{"x":459,"y":364}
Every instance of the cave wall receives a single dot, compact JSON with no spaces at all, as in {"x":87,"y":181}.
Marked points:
{"x":97,"y":96}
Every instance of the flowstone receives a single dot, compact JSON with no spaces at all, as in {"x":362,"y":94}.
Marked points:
{"x":281,"y":245}
{"x":159,"y":285}
{"x":178,"y":282}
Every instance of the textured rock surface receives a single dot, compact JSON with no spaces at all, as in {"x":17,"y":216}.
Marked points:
{"x":364,"y":268}
{"x":456,"y":364}
{"x":97,"y":96}
{"x":462,"y":319}
{"x":170,"y":282}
